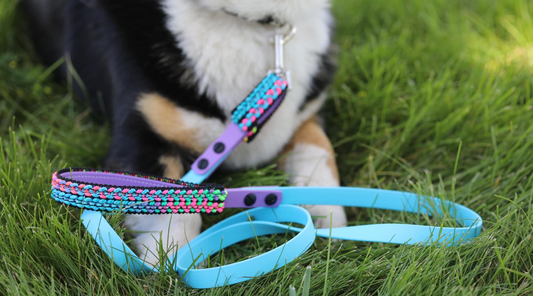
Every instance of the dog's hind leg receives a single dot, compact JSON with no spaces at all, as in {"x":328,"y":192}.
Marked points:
{"x":310,"y":161}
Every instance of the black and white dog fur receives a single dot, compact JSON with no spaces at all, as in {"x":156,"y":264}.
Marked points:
{"x":168,"y":74}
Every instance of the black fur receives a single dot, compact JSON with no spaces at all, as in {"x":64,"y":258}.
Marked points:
{"x":322,"y":79}
{"x":121,"y":49}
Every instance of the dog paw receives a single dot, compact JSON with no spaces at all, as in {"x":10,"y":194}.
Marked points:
{"x":338,"y":216}
{"x":162,"y":232}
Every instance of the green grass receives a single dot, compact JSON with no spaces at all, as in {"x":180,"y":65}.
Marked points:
{"x":418,"y":79}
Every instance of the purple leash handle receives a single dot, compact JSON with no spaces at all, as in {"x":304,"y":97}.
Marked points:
{"x":206,"y":163}
{"x":70,"y":185}
{"x":213,"y":156}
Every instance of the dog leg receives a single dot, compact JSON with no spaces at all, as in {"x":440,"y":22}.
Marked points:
{"x":170,"y":232}
{"x":310,"y":161}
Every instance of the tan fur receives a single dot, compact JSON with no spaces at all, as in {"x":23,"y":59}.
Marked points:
{"x":165,"y":118}
{"x":311,"y":133}
{"x":173,"y":167}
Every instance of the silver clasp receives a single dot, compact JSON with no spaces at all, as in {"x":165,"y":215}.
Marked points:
{"x":279,"y":41}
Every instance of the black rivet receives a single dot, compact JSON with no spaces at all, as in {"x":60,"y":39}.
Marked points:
{"x":271,"y":199}
{"x":203,"y":163}
{"x":249,"y":199}
{"x":219,"y":147}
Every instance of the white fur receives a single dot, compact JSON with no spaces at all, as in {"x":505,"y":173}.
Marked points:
{"x":307,"y":165}
{"x":230,"y":56}
{"x":168,"y":231}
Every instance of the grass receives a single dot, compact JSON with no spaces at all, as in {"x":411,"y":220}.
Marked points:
{"x":418,"y":79}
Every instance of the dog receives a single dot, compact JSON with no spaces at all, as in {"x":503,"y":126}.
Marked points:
{"x":168,"y":73}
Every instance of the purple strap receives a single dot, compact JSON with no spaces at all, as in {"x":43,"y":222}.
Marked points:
{"x":70,"y":181}
{"x":206,"y":163}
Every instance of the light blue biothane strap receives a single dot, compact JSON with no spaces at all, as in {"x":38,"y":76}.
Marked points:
{"x":266,"y":221}
{"x":245,"y":225}
{"x":470,"y":221}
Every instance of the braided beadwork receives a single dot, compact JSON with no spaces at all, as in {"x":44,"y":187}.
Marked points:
{"x":191,"y":198}
{"x":248,"y":112}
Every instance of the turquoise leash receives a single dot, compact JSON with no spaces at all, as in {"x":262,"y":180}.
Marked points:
{"x":105,"y":191}
{"x":275,"y":205}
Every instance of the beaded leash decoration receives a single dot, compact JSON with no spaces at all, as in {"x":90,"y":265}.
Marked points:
{"x":187,"y":198}
{"x":263,"y":101}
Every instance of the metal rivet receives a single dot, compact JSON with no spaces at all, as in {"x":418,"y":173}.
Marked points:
{"x":250,"y":199}
{"x":271,"y":199}
{"x":219,"y":147}
{"x":203,"y":163}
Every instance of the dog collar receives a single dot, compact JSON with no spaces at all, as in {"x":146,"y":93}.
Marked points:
{"x":266,"y":20}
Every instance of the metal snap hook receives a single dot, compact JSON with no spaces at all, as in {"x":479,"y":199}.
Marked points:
{"x":279,"y":41}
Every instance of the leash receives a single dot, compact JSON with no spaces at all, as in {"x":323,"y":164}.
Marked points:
{"x":111,"y":191}
{"x":97,"y":191}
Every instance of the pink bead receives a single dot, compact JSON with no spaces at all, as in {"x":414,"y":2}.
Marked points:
{"x":174,"y":211}
{"x":252,"y":111}
{"x":252,"y":118}
{"x":250,"y":134}
{"x":139,"y":191}
{"x":110,"y":189}
{"x":165,"y":192}
{"x":144,"y":199}
{"x":261,"y":102}
{"x":103,"y":196}
{"x":201,"y":191}
{"x":117,"y":197}
{"x":261,"y":110}
{"x":182,"y":204}
{"x":284,"y":83}
{"x":244,"y":121}
{"x":220,"y":210}
{"x":270,"y":92}
{"x":187,"y":210}
{"x":131,"y":198}
{"x":170,"y":199}
{"x":157,"y":199}
{"x":270,"y":101}
{"x":245,"y":128}
{"x":182,"y":199}
{"x":278,"y":82}
{"x":189,"y":191}
{"x":125,"y":190}
{"x":278,"y":90}
{"x":152,"y":191}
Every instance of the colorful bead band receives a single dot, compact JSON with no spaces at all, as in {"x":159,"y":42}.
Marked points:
{"x":188,"y":198}
{"x":248,"y":112}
